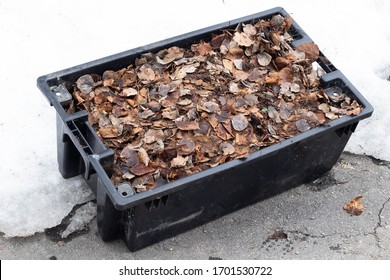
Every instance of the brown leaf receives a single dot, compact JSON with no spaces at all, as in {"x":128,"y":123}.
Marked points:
{"x":222,"y":132}
{"x":128,"y":152}
{"x":169,"y":55}
{"x":311,"y":51}
{"x":143,"y":156}
{"x":169,"y":114}
{"x":228,"y":64}
{"x":241,"y":75}
{"x":281,"y":62}
{"x":145,"y":114}
{"x":141,"y":169}
{"x":249,"y":29}
{"x":216,"y":40}
{"x":146,"y":73}
{"x":355,"y":206}
{"x":109,"y":131}
{"x":204,"y":48}
{"x":272,"y":78}
{"x":186,"y":147}
{"x":129,"y":156}
{"x":187,"y":125}
{"x":285,"y":75}
{"x":254,"y":75}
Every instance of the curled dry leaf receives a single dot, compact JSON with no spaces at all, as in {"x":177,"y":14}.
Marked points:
{"x":179,"y":161}
{"x":227,"y":148}
{"x":141,"y":169}
{"x":146,"y":73}
{"x":242,"y":39}
{"x":204,"y":48}
{"x":187,"y":125}
{"x":170,"y":55}
{"x":311,"y":51}
{"x":128,"y":92}
{"x":249,"y":29}
{"x":264,"y":59}
{"x":355,"y":206}
{"x":302,"y":125}
{"x":109,"y":131}
{"x":85,"y":83}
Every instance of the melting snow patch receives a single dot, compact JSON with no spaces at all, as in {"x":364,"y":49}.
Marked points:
{"x":384,"y":73}
{"x":81,"y":218}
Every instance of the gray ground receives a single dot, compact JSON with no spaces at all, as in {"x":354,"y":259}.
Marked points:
{"x":310,"y":215}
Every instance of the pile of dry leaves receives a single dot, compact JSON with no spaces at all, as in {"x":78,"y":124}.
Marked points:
{"x":181,"y":111}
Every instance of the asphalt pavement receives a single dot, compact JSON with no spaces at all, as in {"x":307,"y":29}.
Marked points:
{"x":307,"y":222}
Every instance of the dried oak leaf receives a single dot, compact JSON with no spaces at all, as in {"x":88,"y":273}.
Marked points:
{"x":311,"y":51}
{"x":355,"y":206}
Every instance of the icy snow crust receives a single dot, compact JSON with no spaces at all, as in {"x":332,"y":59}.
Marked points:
{"x":37,"y":40}
{"x":81,"y":217}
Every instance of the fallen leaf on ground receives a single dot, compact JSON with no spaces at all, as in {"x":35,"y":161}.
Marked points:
{"x":355,"y":206}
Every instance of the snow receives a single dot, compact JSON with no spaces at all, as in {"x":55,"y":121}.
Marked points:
{"x":82,"y":217}
{"x":40,"y":39}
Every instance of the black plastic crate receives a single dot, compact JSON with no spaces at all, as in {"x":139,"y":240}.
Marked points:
{"x":141,"y":219}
